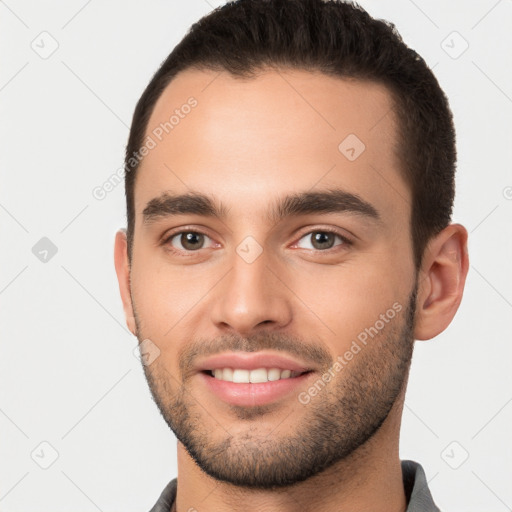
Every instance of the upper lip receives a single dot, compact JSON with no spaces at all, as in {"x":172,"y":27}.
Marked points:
{"x":252,"y":361}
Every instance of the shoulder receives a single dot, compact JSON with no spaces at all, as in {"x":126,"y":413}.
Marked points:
{"x":416,"y":488}
{"x":167,"y":498}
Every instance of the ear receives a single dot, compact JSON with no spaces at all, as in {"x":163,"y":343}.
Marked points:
{"x":441,"y":281}
{"x":123,"y":276}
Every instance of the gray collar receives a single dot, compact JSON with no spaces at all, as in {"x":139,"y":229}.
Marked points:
{"x":416,"y":490}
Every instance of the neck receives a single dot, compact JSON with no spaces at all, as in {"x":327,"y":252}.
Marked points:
{"x":369,"y":479}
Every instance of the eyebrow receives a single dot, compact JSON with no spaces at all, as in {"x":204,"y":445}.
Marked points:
{"x":302,"y":203}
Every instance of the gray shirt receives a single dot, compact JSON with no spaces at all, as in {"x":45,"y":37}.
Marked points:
{"x":416,"y":490}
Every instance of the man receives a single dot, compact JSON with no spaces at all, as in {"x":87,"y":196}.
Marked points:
{"x":289,"y":184}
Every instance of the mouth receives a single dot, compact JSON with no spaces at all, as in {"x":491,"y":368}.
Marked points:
{"x":256,"y":376}
{"x":250,"y":388}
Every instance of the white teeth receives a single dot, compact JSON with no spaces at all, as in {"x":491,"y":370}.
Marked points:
{"x":259,"y":375}
{"x":227,"y":374}
{"x":240,"y":376}
{"x":254,"y":376}
{"x":274,"y":374}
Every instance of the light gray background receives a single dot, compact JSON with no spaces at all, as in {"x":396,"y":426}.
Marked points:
{"x":68,"y":374}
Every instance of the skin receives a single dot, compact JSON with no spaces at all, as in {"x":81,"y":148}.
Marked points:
{"x":247,"y":143}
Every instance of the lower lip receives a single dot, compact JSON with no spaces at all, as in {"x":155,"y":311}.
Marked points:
{"x":253,"y":394}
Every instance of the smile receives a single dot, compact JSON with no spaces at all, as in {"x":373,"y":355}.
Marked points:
{"x":242,"y":376}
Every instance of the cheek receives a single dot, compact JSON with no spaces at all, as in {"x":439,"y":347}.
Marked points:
{"x":342,"y":302}
{"x":168,"y":297}
{"x":164,"y":304}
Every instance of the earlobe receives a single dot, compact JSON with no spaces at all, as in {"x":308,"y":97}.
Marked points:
{"x":123,"y":276}
{"x":442,"y":278}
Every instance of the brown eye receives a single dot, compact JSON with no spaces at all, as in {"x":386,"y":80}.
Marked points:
{"x":187,"y":241}
{"x":322,"y":240}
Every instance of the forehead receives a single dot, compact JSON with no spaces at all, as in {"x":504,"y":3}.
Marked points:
{"x":248,"y":141}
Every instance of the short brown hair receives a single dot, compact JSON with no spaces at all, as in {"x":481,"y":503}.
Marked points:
{"x":339,"y":39}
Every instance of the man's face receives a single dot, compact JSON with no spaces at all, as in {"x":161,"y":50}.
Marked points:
{"x":310,"y":283}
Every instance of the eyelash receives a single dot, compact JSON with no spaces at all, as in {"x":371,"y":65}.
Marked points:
{"x":346,"y":241}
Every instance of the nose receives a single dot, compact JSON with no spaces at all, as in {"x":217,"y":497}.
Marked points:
{"x":251,"y":297}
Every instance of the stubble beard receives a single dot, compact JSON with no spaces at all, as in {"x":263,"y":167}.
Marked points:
{"x":341,"y":419}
